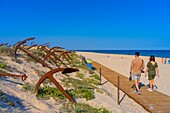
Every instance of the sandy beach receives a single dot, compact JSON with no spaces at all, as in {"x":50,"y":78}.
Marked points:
{"x":121,"y":64}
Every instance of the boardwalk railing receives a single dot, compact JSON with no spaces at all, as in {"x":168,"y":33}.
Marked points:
{"x":154,"y":102}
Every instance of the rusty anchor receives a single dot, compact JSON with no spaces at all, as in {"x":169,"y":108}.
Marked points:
{"x":35,"y":45}
{"x":54,"y":52}
{"x":46,"y":44}
{"x":24,"y":77}
{"x":65,"y":55}
{"x":43,"y":48}
{"x":50,"y":76}
{"x":50,"y":55}
{"x":55,"y":48}
{"x":17,"y":46}
{"x":62,"y":52}
{"x":53,"y":55}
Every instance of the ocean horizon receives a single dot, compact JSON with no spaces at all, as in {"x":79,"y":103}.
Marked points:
{"x":156,"y":53}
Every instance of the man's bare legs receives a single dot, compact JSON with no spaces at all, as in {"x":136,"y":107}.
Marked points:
{"x":137,"y":85}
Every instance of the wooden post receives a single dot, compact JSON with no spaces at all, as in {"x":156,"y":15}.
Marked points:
{"x":100,"y":75}
{"x":118,"y":86}
{"x":81,"y":60}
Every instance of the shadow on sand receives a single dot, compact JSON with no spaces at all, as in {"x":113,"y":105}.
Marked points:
{"x":140,"y":85}
{"x":9,"y":103}
{"x":104,"y":83}
{"x":4,"y":78}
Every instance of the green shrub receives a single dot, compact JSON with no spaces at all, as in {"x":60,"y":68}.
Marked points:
{"x":2,"y":49}
{"x":82,"y":93}
{"x":6,"y":50}
{"x":76,"y":62}
{"x":75,"y":56}
{"x":95,"y":76}
{"x":87,"y":93}
{"x":81,"y":108}
{"x":80,"y":89}
{"x":47,"y":92}
{"x":27,"y":87}
{"x":91,"y":80}
{"x":38,"y":52}
{"x":80,"y":75}
{"x":84,"y":67}
{"x":76,"y":83}
{"x":2,"y":65}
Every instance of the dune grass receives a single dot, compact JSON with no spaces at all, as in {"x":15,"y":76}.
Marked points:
{"x":6,"y":51}
{"x":81,"y":108}
{"x":2,"y":65}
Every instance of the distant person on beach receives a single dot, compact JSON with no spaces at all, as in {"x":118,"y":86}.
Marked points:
{"x":152,"y":71}
{"x":165,"y":61}
{"x":162,"y":60}
{"x":137,"y":66}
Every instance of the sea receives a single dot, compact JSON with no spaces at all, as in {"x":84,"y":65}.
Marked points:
{"x":156,"y":53}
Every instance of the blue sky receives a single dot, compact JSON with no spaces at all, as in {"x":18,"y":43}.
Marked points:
{"x":88,"y":24}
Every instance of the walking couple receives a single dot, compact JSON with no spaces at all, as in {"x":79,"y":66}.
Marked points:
{"x":137,"y":67}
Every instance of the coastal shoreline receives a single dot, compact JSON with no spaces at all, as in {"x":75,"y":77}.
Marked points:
{"x":144,"y":53}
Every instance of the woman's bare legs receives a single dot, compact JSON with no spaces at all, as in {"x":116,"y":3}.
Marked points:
{"x":151,"y":82}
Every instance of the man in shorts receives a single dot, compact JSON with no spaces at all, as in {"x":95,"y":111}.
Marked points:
{"x":137,"y":65}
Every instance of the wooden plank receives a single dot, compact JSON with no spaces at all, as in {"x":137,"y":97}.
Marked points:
{"x":154,"y":102}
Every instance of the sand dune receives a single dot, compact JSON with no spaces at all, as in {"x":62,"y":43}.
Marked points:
{"x":27,"y":102}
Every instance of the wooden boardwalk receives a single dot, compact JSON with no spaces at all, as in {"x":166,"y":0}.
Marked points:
{"x":154,"y":102}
